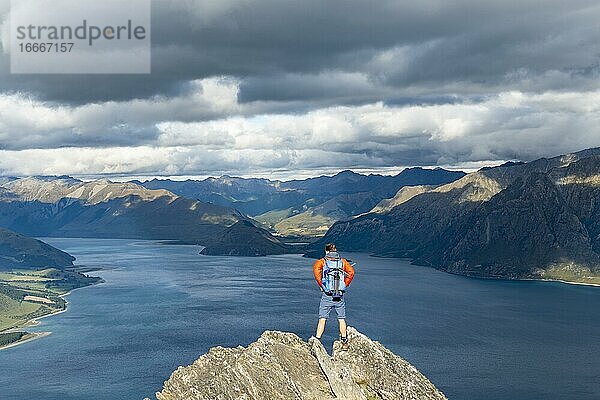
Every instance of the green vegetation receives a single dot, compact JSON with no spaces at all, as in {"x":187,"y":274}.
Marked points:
{"x":27,"y":275}
{"x":14,"y":311}
{"x":306,"y":224}
{"x":570,"y":272}
{"x":29,"y":294}
{"x":271,"y":218}
{"x":11,"y":337}
{"x":52,"y":280}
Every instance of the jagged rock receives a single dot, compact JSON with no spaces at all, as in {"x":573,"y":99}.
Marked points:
{"x":380,"y":373}
{"x":280,"y":365}
{"x":339,"y":377}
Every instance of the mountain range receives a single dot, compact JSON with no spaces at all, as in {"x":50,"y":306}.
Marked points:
{"x":519,"y":220}
{"x":67,"y":207}
{"x":213,"y":212}
{"x":303,"y":207}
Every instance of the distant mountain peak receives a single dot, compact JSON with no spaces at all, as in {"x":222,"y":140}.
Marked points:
{"x":243,"y":223}
{"x":51,"y":178}
{"x":347,"y":172}
{"x":52,"y":189}
{"x":417,"y":168}
{"x":504,"y":165}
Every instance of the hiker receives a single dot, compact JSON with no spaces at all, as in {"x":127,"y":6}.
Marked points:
{"x":333,"y":274}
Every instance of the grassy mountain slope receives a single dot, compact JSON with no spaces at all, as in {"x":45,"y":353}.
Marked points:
{"x":18,"y":251}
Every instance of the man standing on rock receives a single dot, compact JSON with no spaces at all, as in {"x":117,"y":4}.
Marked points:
{"x":333,"y":274}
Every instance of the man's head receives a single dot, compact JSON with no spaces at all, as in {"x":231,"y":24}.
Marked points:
{"x":331,"y":252}
{"x":330,"y":247}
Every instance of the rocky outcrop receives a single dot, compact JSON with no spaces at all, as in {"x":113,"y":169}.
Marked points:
{"x":280,"y":365}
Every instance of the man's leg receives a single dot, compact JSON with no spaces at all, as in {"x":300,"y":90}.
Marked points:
{"x":340,"y":309}
{"x":342,"y":327}
{"x":321,"y":327}
{"x":324,"y":310}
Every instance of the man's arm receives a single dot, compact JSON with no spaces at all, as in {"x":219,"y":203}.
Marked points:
{"x":349,"y":270}
{"x":318,"y":271}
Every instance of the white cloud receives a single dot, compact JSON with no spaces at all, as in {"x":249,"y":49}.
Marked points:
{"x":28,"y":123}
{"x":511,"y":125}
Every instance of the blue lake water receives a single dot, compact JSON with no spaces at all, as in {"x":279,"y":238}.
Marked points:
{"x":163,"y":306}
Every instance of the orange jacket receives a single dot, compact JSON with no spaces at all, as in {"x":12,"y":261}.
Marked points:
{"x":318,"y":271}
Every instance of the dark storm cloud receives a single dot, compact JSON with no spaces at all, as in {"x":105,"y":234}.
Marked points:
{"x":394,"y":44}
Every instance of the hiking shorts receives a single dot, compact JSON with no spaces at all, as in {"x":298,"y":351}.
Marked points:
{"x":327,"y":304}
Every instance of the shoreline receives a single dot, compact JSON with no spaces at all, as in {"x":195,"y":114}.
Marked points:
{"x":493,"y":278}
{"x":526,"y":279}
{"x":565,"y":282}
{"x":497,"y":278}
{"x":35,"y":321}
{"x":30,"y":336}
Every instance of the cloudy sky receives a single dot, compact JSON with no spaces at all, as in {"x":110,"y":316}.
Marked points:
{"x":295,"y":88}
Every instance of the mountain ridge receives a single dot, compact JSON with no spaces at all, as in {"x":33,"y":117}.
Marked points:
{"x":306,"y":207}
{"x":517,"y":221}
{"x":66,"y":207}
{"x":22,"y":252}
{"x":245,"y":239}
{"x":48,"y":190}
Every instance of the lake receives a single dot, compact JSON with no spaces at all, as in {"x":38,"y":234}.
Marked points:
{"x":163,"y":306}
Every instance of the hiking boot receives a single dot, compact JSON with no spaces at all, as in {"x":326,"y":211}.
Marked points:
{"x":345,"y":343}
